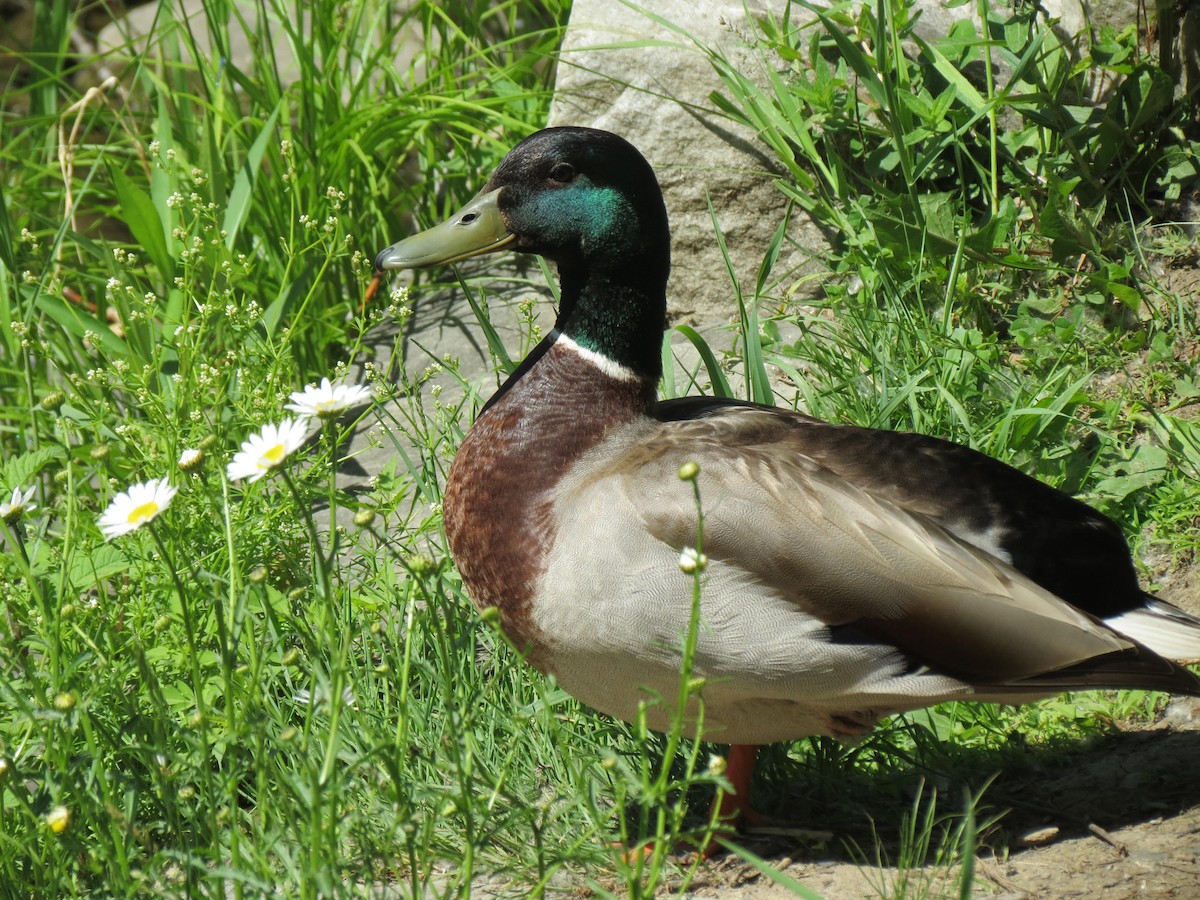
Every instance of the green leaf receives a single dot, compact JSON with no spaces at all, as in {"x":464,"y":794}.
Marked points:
{"x":238,"y":205}
{"x":1146,"y":467}
{"x":19,"y":471}
{"x":87,"y":569}
{"x":963,"y":89}
{"x":78,"y":321}
{"x":137,"y":210}
{"x":757,"y":382}
{"x":772,"y":255}
{"x":7,"y":257}
{"x":1130,"y":296}
{"x":765,"y":868}
{"x":715,"y":373}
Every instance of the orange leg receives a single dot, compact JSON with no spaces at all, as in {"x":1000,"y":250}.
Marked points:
{"x":734,"y":808}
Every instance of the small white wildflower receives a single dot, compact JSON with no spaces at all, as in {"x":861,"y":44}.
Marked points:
{"x":133,"y":508}
{"x":262,"y":452}
{"x":324,"y":401}
{"x":16,"y":507}
{"x":691,"y":561}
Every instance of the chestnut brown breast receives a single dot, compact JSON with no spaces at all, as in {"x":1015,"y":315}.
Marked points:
{"x":496,"y":505}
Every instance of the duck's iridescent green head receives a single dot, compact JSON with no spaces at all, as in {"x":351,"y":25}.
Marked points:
{"x":589,"y":201}
{"x":579,"y":196}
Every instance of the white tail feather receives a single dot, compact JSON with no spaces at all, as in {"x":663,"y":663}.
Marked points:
{"x":1168,"y":631}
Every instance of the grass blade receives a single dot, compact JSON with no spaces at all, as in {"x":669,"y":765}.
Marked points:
{"x":238,"y":205}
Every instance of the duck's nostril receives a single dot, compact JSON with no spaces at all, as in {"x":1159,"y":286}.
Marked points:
{"x":468,"y":218}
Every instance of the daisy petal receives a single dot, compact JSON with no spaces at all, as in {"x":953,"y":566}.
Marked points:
{"x":190,"y":459}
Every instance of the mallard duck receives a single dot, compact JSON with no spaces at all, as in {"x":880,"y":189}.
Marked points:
{"x":851,"y":573}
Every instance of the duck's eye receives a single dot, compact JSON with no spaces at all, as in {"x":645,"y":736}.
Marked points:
{"x":562,"y":172}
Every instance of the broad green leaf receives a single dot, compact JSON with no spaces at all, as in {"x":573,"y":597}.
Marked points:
{"x":19,"y":471}
{"x":238,"y":206}
{"x":86,"y":569}
{"x":137,"y":210}
{"x":78,"y":321}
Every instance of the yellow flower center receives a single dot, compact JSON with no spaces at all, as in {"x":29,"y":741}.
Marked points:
{"x":272,"y":457}
{"x":58,"y":819}
{"x":327,"y":408}
{"x":143,"y":513}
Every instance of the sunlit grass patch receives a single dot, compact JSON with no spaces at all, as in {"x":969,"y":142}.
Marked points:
{"x":207,"y":689}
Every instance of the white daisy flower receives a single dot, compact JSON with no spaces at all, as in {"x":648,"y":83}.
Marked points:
{"x":134,"y":507}
{"x":324,"y":401}
{"x":13,"y":509}
{"x":264,"y":451}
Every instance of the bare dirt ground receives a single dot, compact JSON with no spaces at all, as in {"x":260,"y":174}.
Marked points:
{"x":1124,"y":816}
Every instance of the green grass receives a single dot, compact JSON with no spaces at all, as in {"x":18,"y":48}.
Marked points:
{"x":233,"y":699}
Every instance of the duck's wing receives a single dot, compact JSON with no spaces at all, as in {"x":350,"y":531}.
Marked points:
{"x":1060,"y":543}
{"x":868,"y":565}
